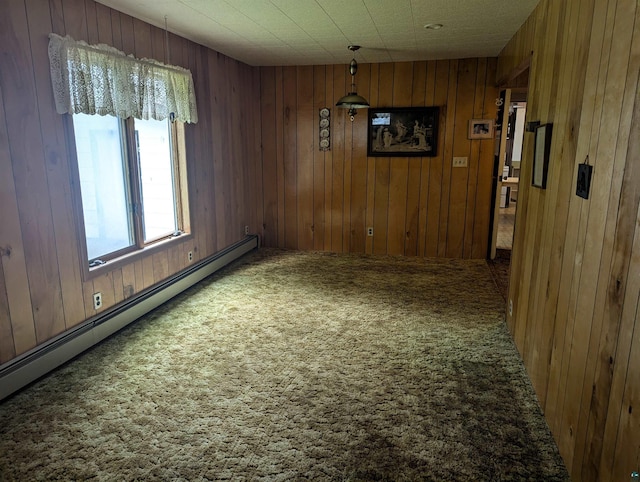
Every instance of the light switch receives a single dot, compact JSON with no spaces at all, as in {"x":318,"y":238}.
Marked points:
{"x":460,"y":161}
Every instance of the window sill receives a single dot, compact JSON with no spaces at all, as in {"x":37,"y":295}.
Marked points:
{"x":133,"y":256}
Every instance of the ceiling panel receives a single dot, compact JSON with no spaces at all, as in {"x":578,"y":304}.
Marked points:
{"x":300,"y":32}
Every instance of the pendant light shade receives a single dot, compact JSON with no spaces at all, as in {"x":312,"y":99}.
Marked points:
{"x":352,"y":100}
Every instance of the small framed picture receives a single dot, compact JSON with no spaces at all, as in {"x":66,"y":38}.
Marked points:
{"x":480,"y":129}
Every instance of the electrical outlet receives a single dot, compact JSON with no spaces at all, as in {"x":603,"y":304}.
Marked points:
{"x":246,"y":230}
{"x":369,"y":231}
{"x":97,"y":300}
{"x":460,"y":161}
{"x":510,"y":307}
{"x":190,"y":256}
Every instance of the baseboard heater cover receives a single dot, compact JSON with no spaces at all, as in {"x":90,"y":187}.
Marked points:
{"x":27,"y":368}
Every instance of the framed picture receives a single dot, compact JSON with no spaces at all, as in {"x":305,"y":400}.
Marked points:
{"x":542,"y":147}
{"x":403,"y":132}
{"x":480,"y":129}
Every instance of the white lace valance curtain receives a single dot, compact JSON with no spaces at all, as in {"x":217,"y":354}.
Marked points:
{"x":99,"y":79}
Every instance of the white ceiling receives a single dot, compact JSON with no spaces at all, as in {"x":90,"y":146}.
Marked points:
{"x":304,"y":32}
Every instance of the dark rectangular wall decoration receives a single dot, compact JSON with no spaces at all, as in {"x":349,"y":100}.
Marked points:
{"x":403,"y":132}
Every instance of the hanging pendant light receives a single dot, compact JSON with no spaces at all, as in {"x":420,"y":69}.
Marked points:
{"x":352,"y":100}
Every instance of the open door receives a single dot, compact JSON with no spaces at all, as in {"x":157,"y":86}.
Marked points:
{"x":505,"y":98}
{"x":510,"y":129}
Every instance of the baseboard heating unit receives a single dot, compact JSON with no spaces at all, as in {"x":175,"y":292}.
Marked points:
{"x":32,"y":365}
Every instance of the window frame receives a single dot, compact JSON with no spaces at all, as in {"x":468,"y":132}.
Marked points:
{"x":139,"y":249}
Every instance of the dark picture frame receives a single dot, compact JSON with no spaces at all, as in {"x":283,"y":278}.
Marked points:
{"x":542,"y":149}
{"x":583,"y":181}
{"x":403,"y":132}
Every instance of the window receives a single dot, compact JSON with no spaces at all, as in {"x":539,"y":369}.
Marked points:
{"x":131,"y":172}
{"x":132,"y":183}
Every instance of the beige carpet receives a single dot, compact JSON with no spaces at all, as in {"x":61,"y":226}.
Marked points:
{"x":292,"y":366}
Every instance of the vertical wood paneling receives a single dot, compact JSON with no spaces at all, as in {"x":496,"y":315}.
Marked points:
{"x":105,"y":29}
{"x":42,"y":291}
{"x":139,"y":276}
{"x":399,"y":167}
{"x":14,"y":269}
{"x":371,"y":164}
{"x":269,"y":159}
{"x":57,"y":16}
{"x":279,"y":154}
{"x":474,"y":159}
{"x":115,"y":29}
{"x":446,"y":221}
{"x":458,"y":202}
{"x":7,"y":345}
{"x":593,"y":219}
{"x":289,"y":157}
{"x":623,"y":311}
{"x":118,"y":286}
{"x":566,"y":235}
{"x":158,"y":42}
{"x":382,"y":169}
{"x":57,"y":166}
{"x":416,"y":206}
{"x":201,"y":149}
{"x":126,"y":33}
{"x":92,"y":22}
{"x":358,"y":188}
{"x":104,"y":285}
{"x":141,"y":38}
{"x":254,"y":149}
{"x":75,"y":19}
{"x":482,"y":207}
{"x":237,"y":172}
{"x":413,"y":207}
{"x":336,"y":174}
{"x":347,"y":151}
{"x":319,"y":102}
{"x":437,"y":164}
{"x":305,"y":147}
{"x":539,"y":263}
{"x":418,"y":217}
{"x":27,"y":153}
{"x":598,"y":400}
{"x":160,"y":266}
{"x":87,"y":296}
{"x":16,"y":282}
{"x":612,"y":303}
{"x":574,"y":282}
{"x":175,"y":261}
{"x":128,"y":281}
{"x":428,"y":169}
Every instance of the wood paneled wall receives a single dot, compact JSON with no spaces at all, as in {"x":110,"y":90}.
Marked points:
{"x":575,"y":276}
{"x":575,"y":282}
{"x":42,"y":292}
{"x":416,"y":206}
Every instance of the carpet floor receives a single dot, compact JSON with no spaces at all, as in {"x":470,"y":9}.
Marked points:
{"x":295,"y":366}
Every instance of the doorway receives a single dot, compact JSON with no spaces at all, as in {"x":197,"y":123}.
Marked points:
{"x":510,"y":127}
{"x":511,"y":171}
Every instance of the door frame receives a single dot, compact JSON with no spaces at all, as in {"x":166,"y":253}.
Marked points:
{"x":498,"y":165}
